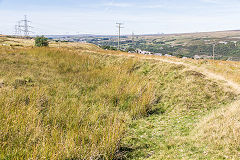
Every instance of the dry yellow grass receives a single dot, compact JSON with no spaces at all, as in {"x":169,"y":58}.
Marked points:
{"x":230,"y":70}
{"x":56,"y":104}
{"x":220,"y":131}
{"x":100,"y":92}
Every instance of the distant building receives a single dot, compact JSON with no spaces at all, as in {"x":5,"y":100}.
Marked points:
{"x":143,"y":52}
{"x":235,"y":42}
{"x":202,"y":57}
{"x":223,"y":42}
{"x":197,"y":57}
{"x":158,"y":54}
{"x":233,"y":59}
{"x":168,"y":55}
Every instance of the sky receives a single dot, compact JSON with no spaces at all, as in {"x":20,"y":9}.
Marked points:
{"x":59,"y":17}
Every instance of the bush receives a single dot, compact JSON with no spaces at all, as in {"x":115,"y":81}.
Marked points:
{"x":179,"y":55}
{"x":109,"y":47}
{"x":41,"y":41}
{"x":130,"y":50}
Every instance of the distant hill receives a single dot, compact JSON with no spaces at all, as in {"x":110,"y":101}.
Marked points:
{"x":182,"y":45}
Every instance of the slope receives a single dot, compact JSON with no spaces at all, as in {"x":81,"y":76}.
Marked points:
{"x":77,"y":101}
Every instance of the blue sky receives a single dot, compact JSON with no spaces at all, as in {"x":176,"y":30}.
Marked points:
{"x":138,"y":16}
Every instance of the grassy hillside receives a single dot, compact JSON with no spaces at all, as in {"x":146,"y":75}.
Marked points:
{"x":219,"y":130}
{"x":227,"y":44}
{"x":80,"y":102}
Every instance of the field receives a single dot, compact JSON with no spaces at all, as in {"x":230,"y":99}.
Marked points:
{"x":77,"y":101}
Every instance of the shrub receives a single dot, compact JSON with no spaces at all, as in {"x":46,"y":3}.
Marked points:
{"x":41,"y":41}
{"x":109,"y":47}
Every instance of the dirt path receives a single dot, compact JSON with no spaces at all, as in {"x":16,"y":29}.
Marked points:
{"x":210,"y":75}
{"x":204,"y":71}
{"x":167,"y":135}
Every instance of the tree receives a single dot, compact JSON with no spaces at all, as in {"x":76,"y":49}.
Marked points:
{"x":41,"y":41}
{"x":130,"y":50}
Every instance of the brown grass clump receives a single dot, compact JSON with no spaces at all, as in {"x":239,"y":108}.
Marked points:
{"x":221,"y":131}
{"x":59,"y":105}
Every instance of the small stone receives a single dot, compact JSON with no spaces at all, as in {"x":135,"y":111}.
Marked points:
{"x":1,"y":83}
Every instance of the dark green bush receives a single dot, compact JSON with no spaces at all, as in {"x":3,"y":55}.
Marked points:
{"x":41,"y":41}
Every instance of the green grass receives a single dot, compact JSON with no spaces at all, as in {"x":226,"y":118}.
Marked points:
{"x":185,"y":97}
{"x":61,"y":104}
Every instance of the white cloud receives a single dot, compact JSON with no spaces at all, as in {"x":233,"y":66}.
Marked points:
{"x":114,"y":4}
{"x":135,"y":5}
{"x":219,"y":1}
{"x":152,"y":6}
{"x":211,"y":1}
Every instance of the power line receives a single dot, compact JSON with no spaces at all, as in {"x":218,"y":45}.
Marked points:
{"x":119,"y":33}
{"x":25,"y":26}
{"x":214,"y":51}
{"x":133,"y":37}
{"x":18,"y":28}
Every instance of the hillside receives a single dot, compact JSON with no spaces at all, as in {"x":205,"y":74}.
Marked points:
{"x":191,"y":45}
{"x":77,"y":101}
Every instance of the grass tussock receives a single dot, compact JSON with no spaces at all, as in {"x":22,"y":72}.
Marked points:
{"x":56,"y":104}
{"x":220,"y":131}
